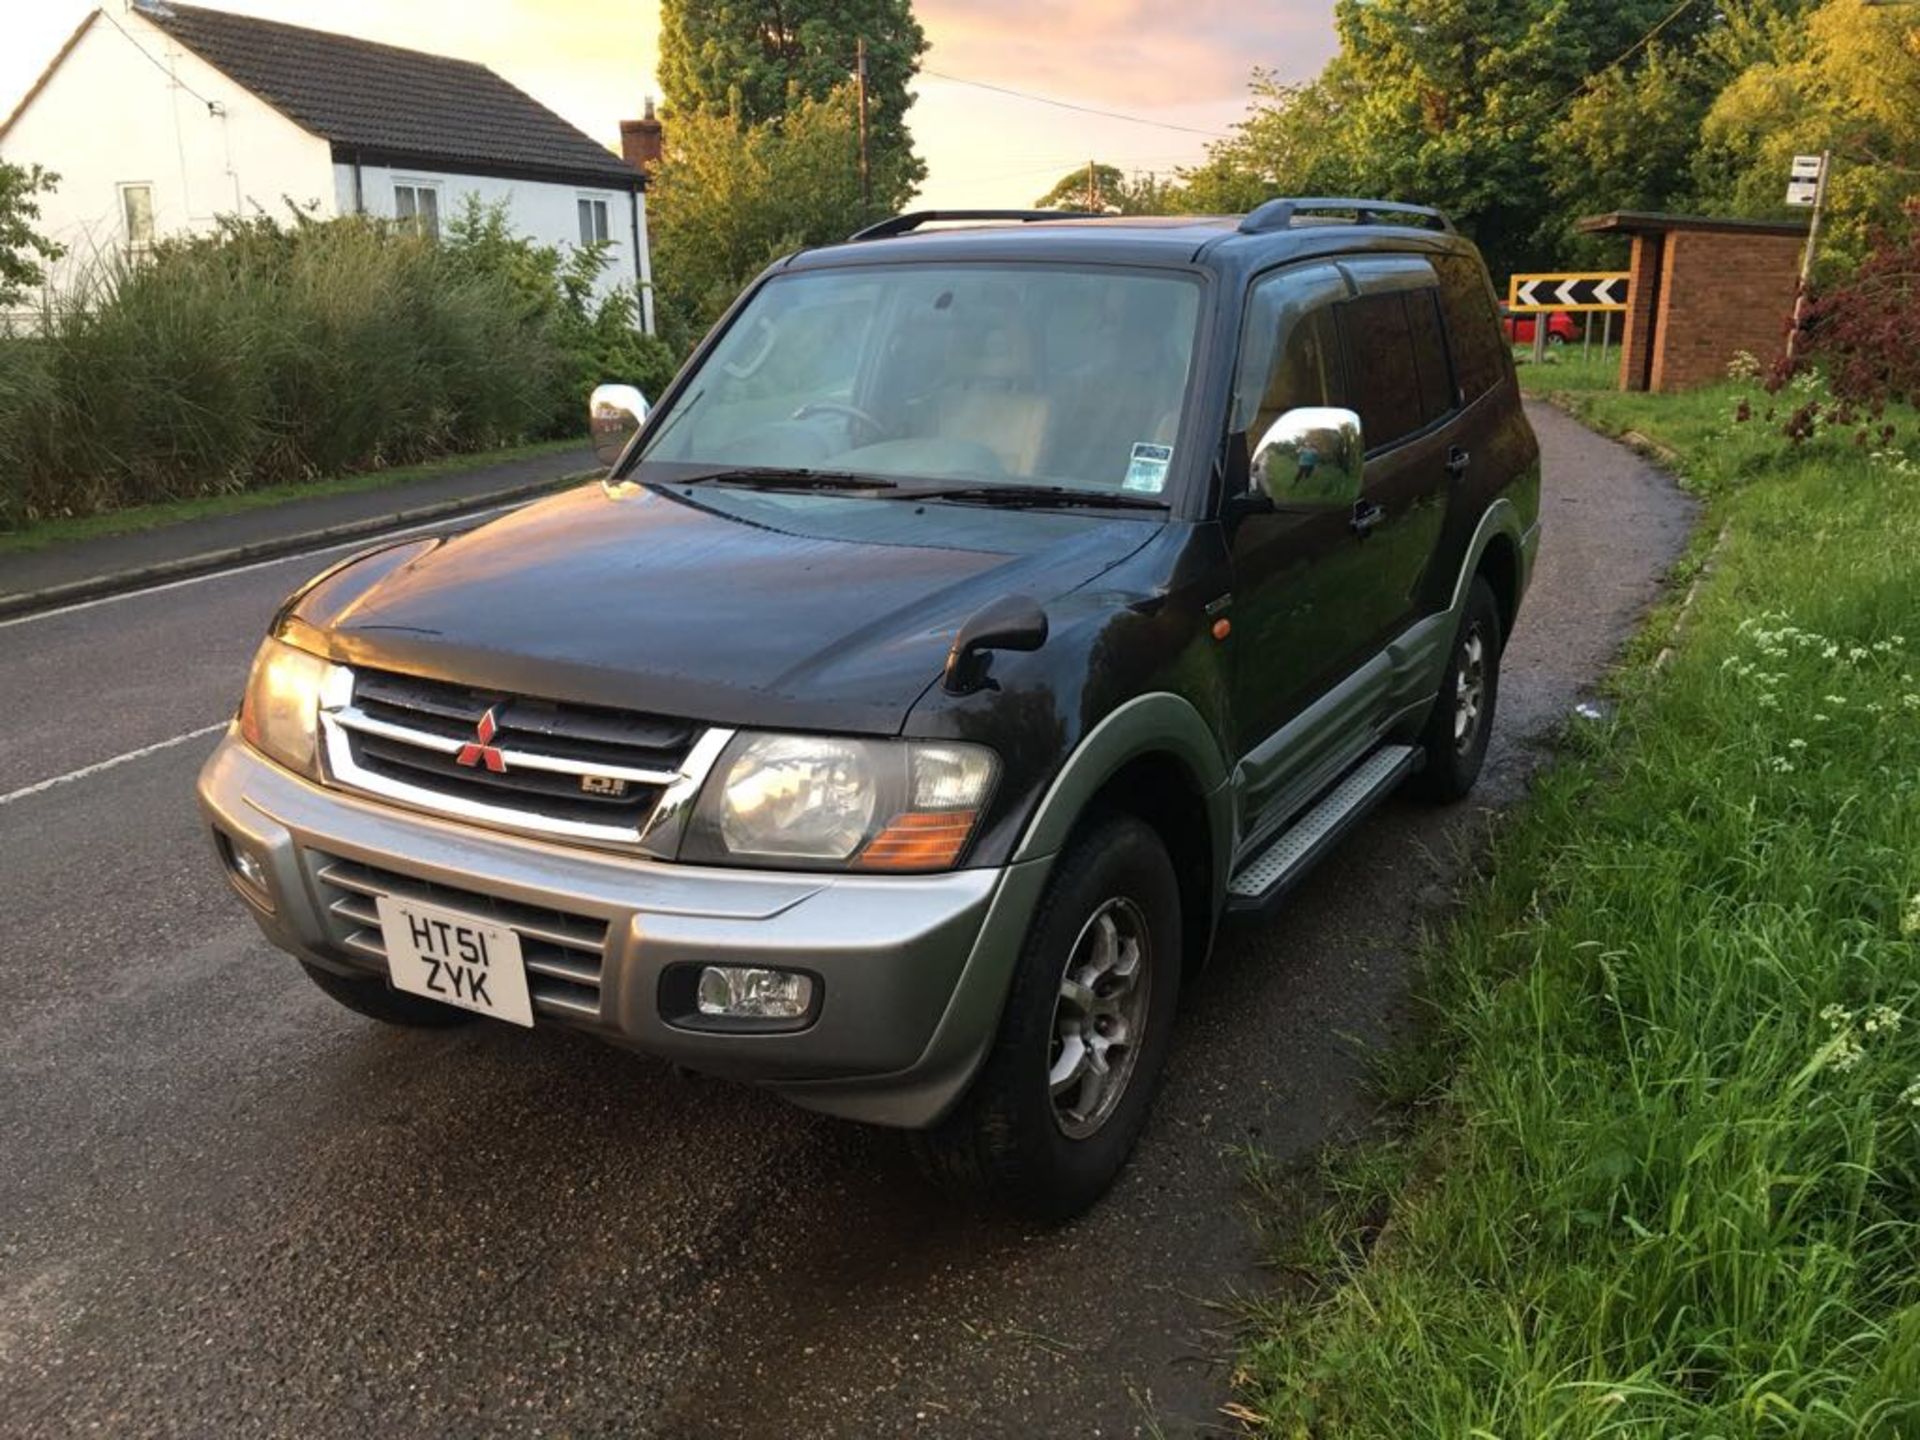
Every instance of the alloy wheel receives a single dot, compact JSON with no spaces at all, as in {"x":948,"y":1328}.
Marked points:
{"x":1469,"y":689}
{"x":1099,"y":1018}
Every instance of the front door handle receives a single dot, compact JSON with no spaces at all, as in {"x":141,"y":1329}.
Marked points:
{"x":1457,"y":462}
{"x":1366,"y":518}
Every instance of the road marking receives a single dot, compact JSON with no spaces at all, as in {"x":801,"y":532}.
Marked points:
{"x":364,"y":542}
{"x":86,"y":770}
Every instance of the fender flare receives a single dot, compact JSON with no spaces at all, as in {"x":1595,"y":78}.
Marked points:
{"x":1157,"y":722}
{"x":1500,"y":518}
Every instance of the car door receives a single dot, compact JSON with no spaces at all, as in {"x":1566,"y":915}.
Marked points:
{"x":1320,"y":591}
{"x":1293,"y":633}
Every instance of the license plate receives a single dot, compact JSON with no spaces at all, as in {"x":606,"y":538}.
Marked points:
{"x":456,"y":959}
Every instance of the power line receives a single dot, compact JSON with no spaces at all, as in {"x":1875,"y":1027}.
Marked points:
{"x":1628,"y":53}
{"x":1083,"y":109}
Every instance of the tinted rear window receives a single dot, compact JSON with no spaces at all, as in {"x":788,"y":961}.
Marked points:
{"x":1430,"y":354}
{"x":1386,"y":383}
{"x":1480,"y":355}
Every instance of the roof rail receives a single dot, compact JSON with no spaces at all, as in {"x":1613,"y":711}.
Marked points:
{"x":1278,"y":214}
{"x":914,"y":219}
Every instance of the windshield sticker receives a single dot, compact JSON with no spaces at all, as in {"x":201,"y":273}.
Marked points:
{"x":1147,"y":470}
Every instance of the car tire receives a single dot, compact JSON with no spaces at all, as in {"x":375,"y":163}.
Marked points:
{"x":1461,"y":723}
{"x":1045,"y":1153}
{"x":377,"y":1000}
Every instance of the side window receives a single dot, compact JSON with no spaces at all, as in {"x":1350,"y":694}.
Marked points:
{"x":1430,"y":355}
{"x":136,"y":210}
{"x":1291,"y":353}
{"x":1380,"y":344}
{"x":1480,"y":355}
{"x":418,"y":206}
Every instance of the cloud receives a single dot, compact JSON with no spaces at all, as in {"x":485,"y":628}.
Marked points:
{"x":1128,"y":53}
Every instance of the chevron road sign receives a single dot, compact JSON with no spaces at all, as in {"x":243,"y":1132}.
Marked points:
{"x":1590,"y":290}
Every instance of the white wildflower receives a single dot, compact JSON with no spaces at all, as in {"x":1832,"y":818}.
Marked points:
{"x":1911,"y":1095}
{"x":1882,"y":1020}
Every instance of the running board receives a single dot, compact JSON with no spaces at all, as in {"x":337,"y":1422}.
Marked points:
{"x":1271,"y":873}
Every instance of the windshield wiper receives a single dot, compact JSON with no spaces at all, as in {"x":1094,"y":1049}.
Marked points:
{"x":779,"y":477}
{"x":1036,"y":497}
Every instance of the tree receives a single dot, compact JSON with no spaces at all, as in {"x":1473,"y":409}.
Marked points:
{"x":1848,"y":81}
{"x":729,"y":198}
{"x":1112,"y":193}
{"x":753,"y":61}
{"x":1514,"y":116}
{"x":24,"y":252}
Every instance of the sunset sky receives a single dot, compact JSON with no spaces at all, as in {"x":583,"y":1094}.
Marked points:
{"x":1184,"y":63}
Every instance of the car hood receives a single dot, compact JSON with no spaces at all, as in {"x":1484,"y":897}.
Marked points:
{"x":735,"y":607}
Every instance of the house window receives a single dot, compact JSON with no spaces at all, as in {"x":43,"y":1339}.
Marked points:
{"x":136,"y":210}
{"x":593,"y":221}
{"x":418,"y":206}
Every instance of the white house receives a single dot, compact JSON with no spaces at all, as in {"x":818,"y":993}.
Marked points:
{"x":159,"y":117}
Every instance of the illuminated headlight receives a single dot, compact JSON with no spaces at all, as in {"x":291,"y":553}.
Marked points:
{"x":280,"y":711}
{"x":821,"y":802}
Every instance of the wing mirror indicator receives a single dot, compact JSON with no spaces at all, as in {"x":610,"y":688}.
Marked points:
{"x":615,"y":414}
{"x":1311,"y":456}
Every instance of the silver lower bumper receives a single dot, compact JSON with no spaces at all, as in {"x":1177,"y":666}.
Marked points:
{"x":913,"y":970}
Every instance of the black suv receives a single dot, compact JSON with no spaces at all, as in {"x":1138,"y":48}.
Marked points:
{"x":981,"y":615}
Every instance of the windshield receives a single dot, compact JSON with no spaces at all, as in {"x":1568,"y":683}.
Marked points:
{"x":981,"y":374}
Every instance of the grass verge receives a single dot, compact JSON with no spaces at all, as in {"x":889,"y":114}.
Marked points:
{"x":1655,"y":1165}
{"x":168,"y":512}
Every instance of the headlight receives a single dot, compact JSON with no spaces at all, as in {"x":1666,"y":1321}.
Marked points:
{"x":280,"y":711}
{"x":826,"y":803}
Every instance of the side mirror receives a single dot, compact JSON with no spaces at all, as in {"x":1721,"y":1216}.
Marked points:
{"x":613,"y":415}
{"x":1311,"y":456}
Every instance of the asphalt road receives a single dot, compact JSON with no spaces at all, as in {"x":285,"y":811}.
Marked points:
{"x":228,"y":1207}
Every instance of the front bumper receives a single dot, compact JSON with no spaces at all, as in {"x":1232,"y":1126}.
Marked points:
{"x":912,"y":970}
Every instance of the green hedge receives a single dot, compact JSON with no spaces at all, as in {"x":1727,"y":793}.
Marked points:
{"x":268,"y":353}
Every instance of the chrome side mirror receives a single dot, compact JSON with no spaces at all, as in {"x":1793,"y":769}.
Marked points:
{"x":1311,"y":456}
{"x":613,"y":415}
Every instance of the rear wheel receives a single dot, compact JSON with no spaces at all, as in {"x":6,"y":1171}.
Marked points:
{"x":1462,"y":720}
{"x":378,"y":1000}
{"x":1063,"y":1094}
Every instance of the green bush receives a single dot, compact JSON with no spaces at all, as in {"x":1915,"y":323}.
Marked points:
{"x":268,"y":352}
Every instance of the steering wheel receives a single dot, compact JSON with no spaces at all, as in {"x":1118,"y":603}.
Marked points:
{"x":854,"y":413}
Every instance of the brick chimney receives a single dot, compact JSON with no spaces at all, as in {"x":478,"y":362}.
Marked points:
{"x":642,"y":140}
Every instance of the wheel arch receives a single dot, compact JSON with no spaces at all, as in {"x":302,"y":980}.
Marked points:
{"x":1153,"y":757}
{"x":1500,"y":563}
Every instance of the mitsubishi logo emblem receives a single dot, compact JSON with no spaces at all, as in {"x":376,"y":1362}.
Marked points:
{"x":481,"y":747}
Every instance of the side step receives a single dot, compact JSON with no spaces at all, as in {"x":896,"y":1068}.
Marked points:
{"x":1271,"y":873}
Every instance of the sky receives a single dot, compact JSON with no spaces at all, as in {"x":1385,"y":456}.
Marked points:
{"x":1183,"y":64}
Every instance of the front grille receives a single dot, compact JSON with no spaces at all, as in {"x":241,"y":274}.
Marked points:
{"x":578,"y":765}
{"x":563,"y":951}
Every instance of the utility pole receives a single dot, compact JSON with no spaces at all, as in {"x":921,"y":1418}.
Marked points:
{"x":1806,"y":258}
{"x":1093,"y":188}
{"x":860,"y":87}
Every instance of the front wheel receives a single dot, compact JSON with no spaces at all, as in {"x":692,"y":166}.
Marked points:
{"x":1063,"y":1094}
{"x":1462,"y":720}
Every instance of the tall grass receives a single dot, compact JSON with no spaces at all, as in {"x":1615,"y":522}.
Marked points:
{"x":1661,"y":1172}
{"x":271,"y":353}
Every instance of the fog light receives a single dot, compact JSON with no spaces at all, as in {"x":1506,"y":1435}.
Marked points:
{"x":738,"y":992}
{"x":248,"y":868}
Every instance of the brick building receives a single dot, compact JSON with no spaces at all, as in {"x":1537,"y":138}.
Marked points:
{"x":1703,"y":289}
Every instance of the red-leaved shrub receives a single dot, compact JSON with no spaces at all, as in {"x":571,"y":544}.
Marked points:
{"x":1863,"y":331}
